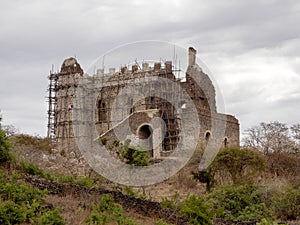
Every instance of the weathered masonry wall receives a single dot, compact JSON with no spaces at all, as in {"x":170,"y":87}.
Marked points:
{"x":118,"y":103}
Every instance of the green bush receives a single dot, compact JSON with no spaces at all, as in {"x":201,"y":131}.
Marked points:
{"x":20,"y":204}
{"x":32,"y":169}
{"x":170,"y":203}
{"x":241,"y":164}
{"x":85,"y":181}
{"x":51,"y":217}
{"x":11,"y":213}
{"x":20,"y":193}
{"x":129,"y":191}
{"x":135,"y":156}
{"x":287,"y":204}
{"x":198,"y":212}
{"x":65,"y":179}
{"x":5,"y":146}
{"x":242,"y":202}
{"x":108,"y":212}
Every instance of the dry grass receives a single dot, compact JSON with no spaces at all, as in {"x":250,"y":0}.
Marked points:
{"x":75,"y":209}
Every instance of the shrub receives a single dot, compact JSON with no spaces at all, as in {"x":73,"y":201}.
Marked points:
{"x":171,"y":203}
{"x":287,"y":204}
{"x":40,"y":143}
{"x":135,"y":156}
{"x":129,"y":191}
{"x":20,"y":193}
{"x":108,"y":212}
{"x":31,"y":169}
{"x":66,"y":179}
{"x":241,"y":164}
{"x":242,"y":202}
{"x":85,"y":181}
{"x":196,"y":210}
{"x":21,"y":204}
{"x":51,"y":217}
{"x":11,"y":213}
{"x":5,"y":146}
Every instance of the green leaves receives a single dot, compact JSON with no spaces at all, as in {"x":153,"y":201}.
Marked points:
{"x":241,"y":164}
{"x":51,"y":217}
{"x":108,"y":212}
{"x":133,"y":155}
{"x":20,"y":203}
{"x":242,"y":202}
{"x":198,"y":212}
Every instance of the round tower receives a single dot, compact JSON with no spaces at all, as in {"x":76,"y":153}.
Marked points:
{"x":65,"y":85}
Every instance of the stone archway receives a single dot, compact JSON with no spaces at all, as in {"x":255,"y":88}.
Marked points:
{"x":145,"y":135}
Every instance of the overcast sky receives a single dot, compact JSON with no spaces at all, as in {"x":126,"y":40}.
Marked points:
{"x":251,"y":47}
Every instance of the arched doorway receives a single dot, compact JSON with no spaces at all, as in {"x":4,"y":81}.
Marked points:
{"x":145,"y":135}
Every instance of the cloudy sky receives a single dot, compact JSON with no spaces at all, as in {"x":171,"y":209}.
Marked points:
{"x":252,"y":48}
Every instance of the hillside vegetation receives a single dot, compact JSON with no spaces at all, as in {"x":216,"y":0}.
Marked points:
{"x":258,"y":184}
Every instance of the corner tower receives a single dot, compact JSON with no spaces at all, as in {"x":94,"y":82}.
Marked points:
{"x":61,"y":91}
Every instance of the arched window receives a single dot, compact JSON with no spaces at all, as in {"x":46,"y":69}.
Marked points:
{"x":130,"y":103}
{"x":225,"y":142}
{"x":102,"y":111}
{"x":207,"y":136}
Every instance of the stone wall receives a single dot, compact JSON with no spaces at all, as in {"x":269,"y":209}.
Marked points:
{"x":119,"y":107}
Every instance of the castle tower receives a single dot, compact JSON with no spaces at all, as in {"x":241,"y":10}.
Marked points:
{"x":61,"y":91}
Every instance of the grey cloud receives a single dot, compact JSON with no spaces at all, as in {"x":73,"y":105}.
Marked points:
{"x":36,"y":34}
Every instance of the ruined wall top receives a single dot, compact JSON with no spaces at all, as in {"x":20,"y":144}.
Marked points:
{"x":192,"y":56}
{"x":71,"y":65}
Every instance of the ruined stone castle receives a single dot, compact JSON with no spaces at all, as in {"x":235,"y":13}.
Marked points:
{"x":137,"y":112}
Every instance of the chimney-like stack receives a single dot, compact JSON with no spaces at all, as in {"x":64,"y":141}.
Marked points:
{"x":192,"y":56}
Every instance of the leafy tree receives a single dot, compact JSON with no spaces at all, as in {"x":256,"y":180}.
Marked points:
{"x":241,"y":164}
